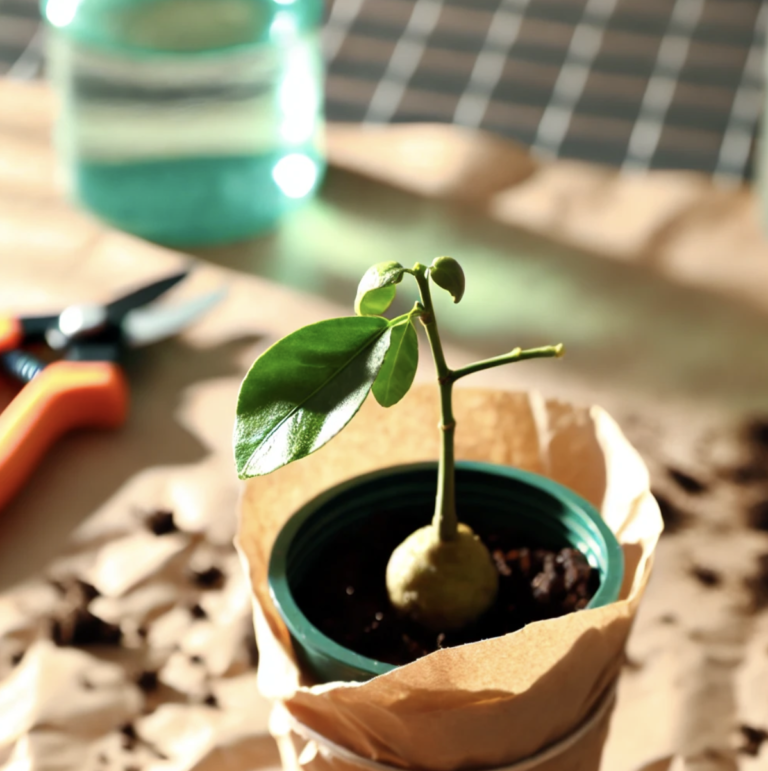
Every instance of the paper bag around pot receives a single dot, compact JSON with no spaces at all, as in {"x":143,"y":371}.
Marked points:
{"x":489,"y":704}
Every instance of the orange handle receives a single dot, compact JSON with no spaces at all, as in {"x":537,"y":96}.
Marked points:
{"x":65,"y":395}
{"x":11,"y":334}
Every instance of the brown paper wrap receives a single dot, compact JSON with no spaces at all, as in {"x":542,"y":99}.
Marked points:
{"x":494,"y":702}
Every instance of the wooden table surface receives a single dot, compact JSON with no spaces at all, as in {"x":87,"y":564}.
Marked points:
{"x":657,"y":284}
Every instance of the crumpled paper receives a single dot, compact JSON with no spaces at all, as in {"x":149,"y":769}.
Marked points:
{"x":494,"y":702}
{"x":66,"y":689}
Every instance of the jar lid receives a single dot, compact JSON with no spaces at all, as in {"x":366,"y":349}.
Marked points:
{"x":176,"y":26}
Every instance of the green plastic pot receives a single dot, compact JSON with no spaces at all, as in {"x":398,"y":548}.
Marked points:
{"x":546,"y":511}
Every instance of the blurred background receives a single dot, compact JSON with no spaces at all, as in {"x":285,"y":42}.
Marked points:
{"x":629,"y":83}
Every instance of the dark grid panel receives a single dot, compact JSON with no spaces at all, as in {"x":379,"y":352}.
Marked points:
{"x":636,"y":83}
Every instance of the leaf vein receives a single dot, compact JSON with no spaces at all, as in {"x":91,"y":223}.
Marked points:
{"x":297,"y":407}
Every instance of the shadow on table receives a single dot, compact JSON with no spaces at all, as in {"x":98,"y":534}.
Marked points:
{"x":102,"y":462}
{"x":625,"y":328}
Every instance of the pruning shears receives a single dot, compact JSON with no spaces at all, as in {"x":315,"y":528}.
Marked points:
{"x":84,"y":387}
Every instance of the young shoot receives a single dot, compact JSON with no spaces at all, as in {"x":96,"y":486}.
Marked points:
{"x":304,"y":390}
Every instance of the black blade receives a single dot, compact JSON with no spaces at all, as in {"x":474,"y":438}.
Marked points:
{"x":94,"y":351}
{"x":117,"y":309}
{"x":35,"y":327}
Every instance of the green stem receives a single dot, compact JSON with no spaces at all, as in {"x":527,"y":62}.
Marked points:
{"x":445,"y":519}
{"x":414,"y":313}
{"x":518,"y":354}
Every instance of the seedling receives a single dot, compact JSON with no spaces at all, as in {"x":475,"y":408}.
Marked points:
{"x":304,"y":390}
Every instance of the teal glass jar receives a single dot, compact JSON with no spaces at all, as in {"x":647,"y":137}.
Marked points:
{"x":188,"y":122}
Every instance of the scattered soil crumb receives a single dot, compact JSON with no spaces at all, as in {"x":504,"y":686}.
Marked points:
{"x":161,"y":522}
{"x":73,"y":624}
{"x":753,"y":739}
{"x":147,"y":681}
{"x":130,"y":739}
{"x":212,"y":578}
{"x":706,"y":576}
{"x":757,"y":516}
{"x":756,"y":433}
{"x":668,"y":619}
{"x":687,"y":482}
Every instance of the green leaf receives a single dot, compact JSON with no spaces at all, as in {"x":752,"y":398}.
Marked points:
{"x":377,"y":288}
{"x":399,"y":369}
{"x":448,"y":275}
{"x":304,"y":389}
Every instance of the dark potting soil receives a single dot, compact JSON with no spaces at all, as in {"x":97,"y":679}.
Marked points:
{"x":345,"y":594}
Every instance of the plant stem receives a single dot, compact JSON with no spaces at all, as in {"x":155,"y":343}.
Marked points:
{"x":445,"y":520}
{"x":518,"y":354}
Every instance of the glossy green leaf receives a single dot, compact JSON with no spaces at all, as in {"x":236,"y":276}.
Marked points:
{"x":399,"y":368}
{"x":448,"y":275}
{"x":304,"y":389}
{"x":377,"y":288}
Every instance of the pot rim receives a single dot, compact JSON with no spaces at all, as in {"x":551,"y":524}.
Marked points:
{"x":303,"y":630}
